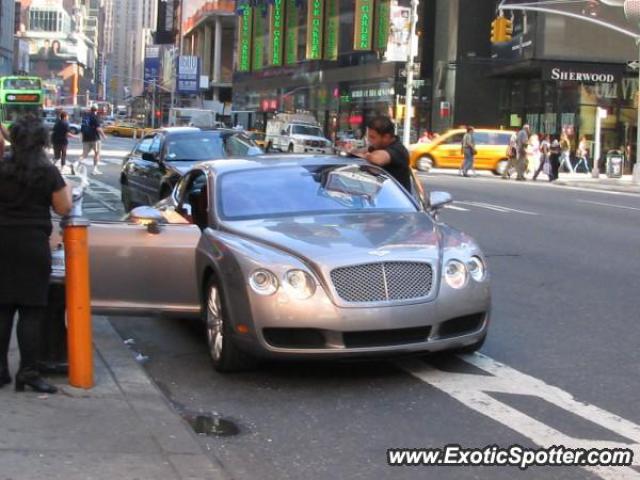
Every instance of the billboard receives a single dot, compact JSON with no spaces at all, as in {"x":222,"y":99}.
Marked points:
{"x":399,"y":32}
{"x":167,"y":21}
{"x":188,"y":74}
{"x":151,"y":66}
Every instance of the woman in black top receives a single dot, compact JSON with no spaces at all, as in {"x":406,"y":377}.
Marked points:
{"x":29,"y":187}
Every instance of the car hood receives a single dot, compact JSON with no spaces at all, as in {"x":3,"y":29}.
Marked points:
{"x":341,"y":239}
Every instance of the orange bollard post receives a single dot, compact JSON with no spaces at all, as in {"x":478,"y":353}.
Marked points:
{"x":79,"y":337}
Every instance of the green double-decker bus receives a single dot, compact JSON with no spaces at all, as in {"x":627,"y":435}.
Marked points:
{"x":20,"y":96}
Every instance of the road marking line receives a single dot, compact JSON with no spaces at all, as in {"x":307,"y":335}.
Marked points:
{"x":105,"y":186}
{"x":609,"y":205}
{"x":498,"y":208}
{"x":453,"y":207}
{"x":473,"y":391}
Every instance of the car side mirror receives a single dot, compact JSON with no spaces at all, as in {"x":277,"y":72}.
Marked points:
{"x":148,"y":216}
{"x":283,"y":132}
{"x":438,"y":200}
{"x":149,"y":157}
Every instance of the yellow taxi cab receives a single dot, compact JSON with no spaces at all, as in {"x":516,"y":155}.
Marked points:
{"x":125,"y":130}
{"x":446,"y":150}
{"x":258,"y":137}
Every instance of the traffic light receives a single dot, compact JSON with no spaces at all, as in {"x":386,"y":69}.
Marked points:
{"x":494,"y":31}
{"x":507,"y":29}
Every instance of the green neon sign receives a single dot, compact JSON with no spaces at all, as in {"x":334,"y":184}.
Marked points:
{"x":291,"y":43}
{"x":332,"y":30}
{"x":259,"y":24}
{"x":363,"y":25}
{"x":245,"y":26}
{"x":276,"y":14}
{"x":315,"y":21}
{"x":383,"y":24}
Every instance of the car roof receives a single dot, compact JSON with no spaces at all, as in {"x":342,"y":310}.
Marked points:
{"x":478,"y":130}
{"x":271,"y":161}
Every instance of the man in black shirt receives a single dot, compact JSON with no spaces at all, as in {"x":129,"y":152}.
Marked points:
{"x":91,"y":136}
{"x":387,"y":151}
{"x":60,"y":139}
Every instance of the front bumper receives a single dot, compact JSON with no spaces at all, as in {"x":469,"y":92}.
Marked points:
{"x":317,"y":328}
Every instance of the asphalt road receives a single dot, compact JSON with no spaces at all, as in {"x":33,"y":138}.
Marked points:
{"x":560,"y":365}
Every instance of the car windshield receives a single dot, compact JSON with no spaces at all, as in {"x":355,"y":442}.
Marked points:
{"x":196,"y":146}
{"x":307,"y":130}
{"x":309,"y":190}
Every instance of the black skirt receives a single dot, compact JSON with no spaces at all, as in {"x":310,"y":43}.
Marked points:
{"x":25,"y":266}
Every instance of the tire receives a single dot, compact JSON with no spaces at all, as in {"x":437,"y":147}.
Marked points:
{"x":290,"y":149}
{"x":268,"y":148}
{"x":224,"y":354}
{"x":501,"y":166}
{"x":115,"y":133}
{"x":425,"y":163}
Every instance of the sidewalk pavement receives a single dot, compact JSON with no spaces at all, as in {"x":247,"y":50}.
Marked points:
{"x":583,"y":180}
{"x":122,"y":428}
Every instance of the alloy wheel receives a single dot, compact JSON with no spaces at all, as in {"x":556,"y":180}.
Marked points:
{"x":215,"y":334}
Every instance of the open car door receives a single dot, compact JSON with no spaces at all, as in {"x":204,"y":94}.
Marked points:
{"x":134,"y":271}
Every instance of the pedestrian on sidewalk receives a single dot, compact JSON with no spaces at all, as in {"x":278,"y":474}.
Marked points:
{"x":469,"y":151}
{"x":60,"y":139}
{"x":92,"y":134}
{"x":554,"y":159}
{"x":522,"y":141}
{"x":565,"y":153}
{"x":30,"y":185}
{"x":511,"y":154}
{"x":545,"y":150}
{"x":583,"y":154}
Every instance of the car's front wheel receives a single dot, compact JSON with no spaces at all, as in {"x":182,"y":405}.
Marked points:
{"x":424,"y":163}
{"x":115,"y":133}
{"x":125,"y":195}
{"x":225,"y":355}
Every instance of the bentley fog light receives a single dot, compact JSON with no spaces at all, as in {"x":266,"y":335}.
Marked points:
{"x":300,"y":284}
{"x":476,"y":269}
{"x":455,"y":273}
{"x":263,"y":282}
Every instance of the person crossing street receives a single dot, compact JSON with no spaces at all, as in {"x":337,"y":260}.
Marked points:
{"x":92,"y":134}
{"x":469,"y":151}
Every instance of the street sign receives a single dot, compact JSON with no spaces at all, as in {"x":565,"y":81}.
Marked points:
{"x":633,"y":65}
{"x":188,"y":74}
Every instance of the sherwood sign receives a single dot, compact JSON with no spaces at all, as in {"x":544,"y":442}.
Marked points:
{"x":583,"y":73}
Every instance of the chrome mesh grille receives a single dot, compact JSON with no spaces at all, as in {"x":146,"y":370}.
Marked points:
{"x":383,"y":282}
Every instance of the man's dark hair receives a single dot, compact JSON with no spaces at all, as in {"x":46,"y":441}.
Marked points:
{"x":94,"y":108}
{"x":383,"y":125}
{"x":63,"y":115}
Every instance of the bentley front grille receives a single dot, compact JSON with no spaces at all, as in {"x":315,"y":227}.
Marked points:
{"x":383,"y":282}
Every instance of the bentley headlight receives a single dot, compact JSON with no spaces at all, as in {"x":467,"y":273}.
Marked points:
{"x":455,"y":273}
{"x":263,"y":282}
{"x":300,"y":284}
{"x":476,"y":269}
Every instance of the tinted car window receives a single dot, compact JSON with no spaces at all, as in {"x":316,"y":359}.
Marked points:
{"x":144,"y":146}
{"x":481,"y":138}
{"x":310,"y":190}
{"x":196,"y":146}
{"x":241,"y":145}
{"x":454,"y":139}
{"x":307,"y":130}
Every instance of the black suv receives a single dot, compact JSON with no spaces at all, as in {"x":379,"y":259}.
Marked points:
{"x":159,"y":160}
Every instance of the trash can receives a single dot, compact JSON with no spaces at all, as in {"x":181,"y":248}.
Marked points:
{"x":615,"y":163}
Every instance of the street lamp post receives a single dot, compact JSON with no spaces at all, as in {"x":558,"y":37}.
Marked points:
{"x":408,"y":103}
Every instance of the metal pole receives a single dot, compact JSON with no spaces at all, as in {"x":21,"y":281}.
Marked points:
{"x":595,"y":173}
{"x":408,"y":110}
{"x":153,"y":104}
{"x":636,"y":167}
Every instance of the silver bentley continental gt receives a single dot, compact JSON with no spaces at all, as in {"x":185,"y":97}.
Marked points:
{"x":299,"y":257}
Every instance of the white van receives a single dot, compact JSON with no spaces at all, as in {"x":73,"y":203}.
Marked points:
{"x":296,"y":133}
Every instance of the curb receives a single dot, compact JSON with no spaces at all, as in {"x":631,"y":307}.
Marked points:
{"x":173,"y":436}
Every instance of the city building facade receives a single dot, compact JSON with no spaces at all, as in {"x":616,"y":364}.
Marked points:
{"x":7,"y":30}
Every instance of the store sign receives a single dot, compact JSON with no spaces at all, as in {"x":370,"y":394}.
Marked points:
{"x":397,"y":48}
{"x":363,"y":33}
{"x":245,"y":28}
{"x":583,"y":73}
{"x":379,"y":92}
{"x":383,"y":24}
{"x":151,"y":65}
{"x":276,"y":29}
{"x":188,"y":74}
{"x":22,"y":98}
{"x":315,"y":21}
{"x":291,"y":43}
{"x":332,"y":30}
{"x":259,"y":23}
